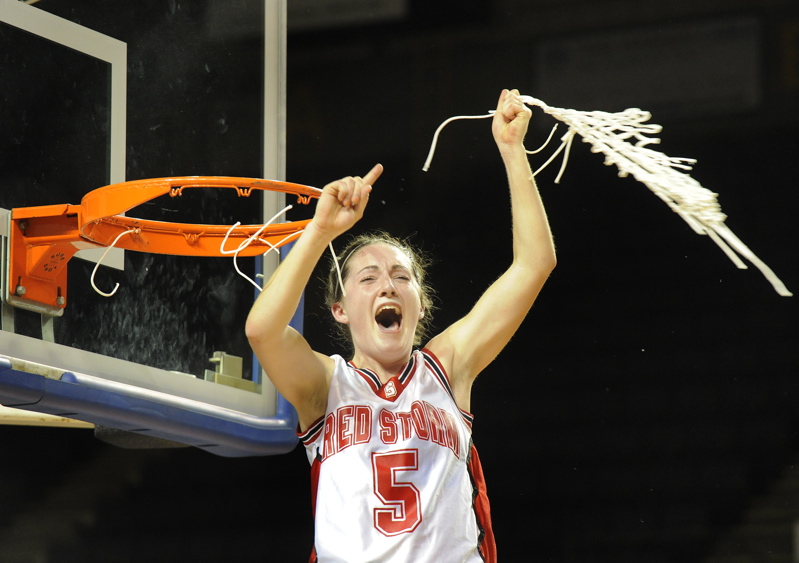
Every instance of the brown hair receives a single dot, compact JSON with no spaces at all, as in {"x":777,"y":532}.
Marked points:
{"x":419,"y":264}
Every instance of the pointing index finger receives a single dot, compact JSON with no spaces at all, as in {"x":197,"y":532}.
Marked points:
{"x":372,"y":176}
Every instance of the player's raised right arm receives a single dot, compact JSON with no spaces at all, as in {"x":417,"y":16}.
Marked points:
{"x":301,"y":375}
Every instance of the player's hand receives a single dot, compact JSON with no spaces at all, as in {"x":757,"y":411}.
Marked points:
{"x":510,"y":120}
{"x":343,"y":202}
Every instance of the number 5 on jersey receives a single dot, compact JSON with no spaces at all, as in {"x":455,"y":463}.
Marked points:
{"x":402,"y":512}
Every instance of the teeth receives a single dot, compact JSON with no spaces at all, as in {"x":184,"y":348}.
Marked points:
{"x":388,"y":316}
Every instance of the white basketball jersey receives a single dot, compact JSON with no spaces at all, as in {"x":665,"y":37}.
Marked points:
{"x":395,"y":475}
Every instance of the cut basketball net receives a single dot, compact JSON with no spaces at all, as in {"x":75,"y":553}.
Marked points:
{"x":256,"y":236}
{"x":623,"y":138}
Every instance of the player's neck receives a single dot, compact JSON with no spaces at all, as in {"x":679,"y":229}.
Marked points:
{"x":385,"y":370}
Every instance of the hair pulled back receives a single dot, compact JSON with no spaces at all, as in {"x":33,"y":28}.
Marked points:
{"x":419,"y":264}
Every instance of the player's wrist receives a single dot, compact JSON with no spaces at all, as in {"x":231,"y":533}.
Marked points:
{"x":512,"y":151}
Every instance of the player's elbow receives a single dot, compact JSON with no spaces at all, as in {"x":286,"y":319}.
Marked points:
{"x":255,"y":330}
{"x":542,"y":272}
{"x":548,"y":261}
{"x":539,"y":265}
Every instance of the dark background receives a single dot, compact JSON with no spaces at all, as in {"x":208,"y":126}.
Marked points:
{"x":646,"y":411}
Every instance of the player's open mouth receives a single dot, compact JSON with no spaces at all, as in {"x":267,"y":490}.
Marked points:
{"x":389,"y":318}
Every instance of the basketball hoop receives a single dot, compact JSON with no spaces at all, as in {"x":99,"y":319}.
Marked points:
{"x":42,"y":240}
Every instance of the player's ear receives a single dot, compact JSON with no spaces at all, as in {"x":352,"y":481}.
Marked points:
{"x":339,"y":313}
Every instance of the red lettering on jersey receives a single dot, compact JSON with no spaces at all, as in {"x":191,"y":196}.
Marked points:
{"x":436,"y":425}
{"x":420,"y":420}
{"x":363,"y":424}
{"x":388,"y":427}
{"x":344,"y":430}
{"x":352,"y":424}
{"x":330,"y":433}
{"x":451,"y":433}
{"x":349,"y":425}
{"x":405,"y":424}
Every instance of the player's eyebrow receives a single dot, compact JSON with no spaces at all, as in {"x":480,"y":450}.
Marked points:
{"x":372,"y":267}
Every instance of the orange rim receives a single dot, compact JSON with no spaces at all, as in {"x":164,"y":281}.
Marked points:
{"x":43,"y":239}
{"x":101,"y":217}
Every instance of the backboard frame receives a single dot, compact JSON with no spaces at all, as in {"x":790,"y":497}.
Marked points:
{"x":99,"y":46}
{"x":41,"y":376}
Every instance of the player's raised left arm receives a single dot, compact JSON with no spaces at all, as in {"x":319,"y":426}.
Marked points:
{"x":471,"y":343}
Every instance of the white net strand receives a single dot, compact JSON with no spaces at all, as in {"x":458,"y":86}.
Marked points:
{"x":249,"y":240}
{"x":100,"y":261}
{"x":438,"y":131}
{"x":623,"y":138}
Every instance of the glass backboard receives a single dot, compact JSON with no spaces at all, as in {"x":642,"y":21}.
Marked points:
{"x":96,"y":94}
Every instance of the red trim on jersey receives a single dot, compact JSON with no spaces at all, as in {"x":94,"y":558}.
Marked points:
{"x":315,"y":468}
{"x":394,"y":387}
{"x":438,"y":369}
{"x":310,"y":434}
{"x":482,"y":509}
{"x":368,"y":376}
{"x":443,"y":378}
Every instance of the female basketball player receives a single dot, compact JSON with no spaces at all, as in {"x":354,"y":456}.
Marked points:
{"x":388,"y":434}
